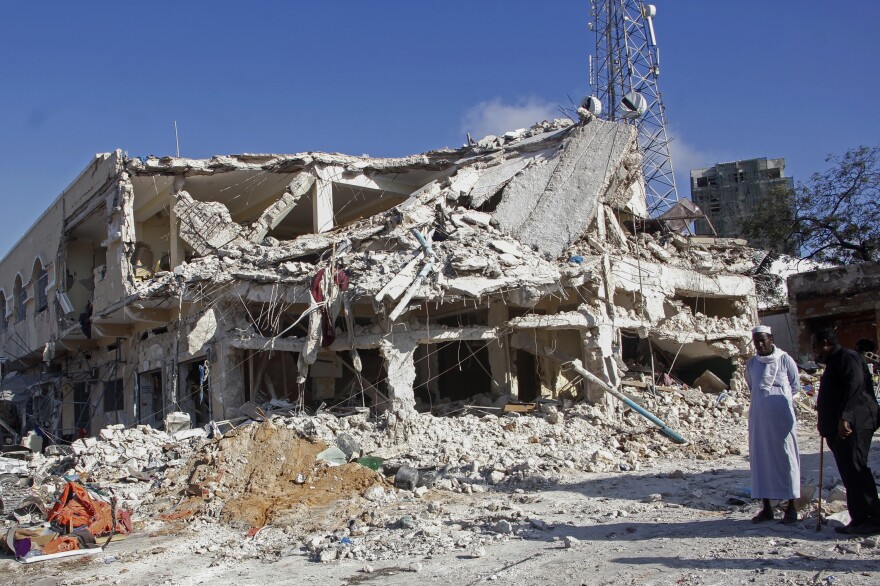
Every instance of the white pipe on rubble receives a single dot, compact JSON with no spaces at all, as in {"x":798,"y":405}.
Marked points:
{"x":411,"y":290}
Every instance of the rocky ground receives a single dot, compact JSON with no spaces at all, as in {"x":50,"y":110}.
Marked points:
{"x":670,"y":516}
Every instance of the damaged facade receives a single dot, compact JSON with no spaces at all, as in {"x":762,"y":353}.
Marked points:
{"x":466,"y":276}
{"x":843,"y":297}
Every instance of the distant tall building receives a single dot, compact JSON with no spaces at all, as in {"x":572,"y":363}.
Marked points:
{"x":728,"y":192}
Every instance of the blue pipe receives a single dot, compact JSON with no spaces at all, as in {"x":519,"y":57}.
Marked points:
{"x":578,"y":367}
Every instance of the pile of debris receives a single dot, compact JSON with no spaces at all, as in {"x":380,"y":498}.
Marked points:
{"x":262,"y":473}
{"x":132,"y":453}
{"x":279,"y":479}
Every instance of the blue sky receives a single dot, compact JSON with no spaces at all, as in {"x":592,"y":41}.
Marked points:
{"x":740,"y":79}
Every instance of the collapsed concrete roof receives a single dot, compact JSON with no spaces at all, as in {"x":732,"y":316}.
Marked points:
{"x":543,"y":185}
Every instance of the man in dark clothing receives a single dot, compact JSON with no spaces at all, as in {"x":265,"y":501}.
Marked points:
{"x":848,"y":418}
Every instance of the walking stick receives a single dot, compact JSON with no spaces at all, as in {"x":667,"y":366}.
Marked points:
{"x":821,"y":467}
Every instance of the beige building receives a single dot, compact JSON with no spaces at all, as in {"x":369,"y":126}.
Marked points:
{"x":458,"y":276}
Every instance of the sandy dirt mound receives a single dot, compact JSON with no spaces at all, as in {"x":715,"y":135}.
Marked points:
{"x":265,"y":473}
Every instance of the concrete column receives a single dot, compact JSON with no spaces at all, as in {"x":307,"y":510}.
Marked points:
{"x":322,"y":206}
{"x":547,"y":367}
{"x":499,"y":353}
{"x":227,"y":380}
{"x":175,"y":252}
{"x":599,"y":359}
{"x":398,"y":357}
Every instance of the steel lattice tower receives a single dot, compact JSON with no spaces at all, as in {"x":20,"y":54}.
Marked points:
{"x":626,"y":64}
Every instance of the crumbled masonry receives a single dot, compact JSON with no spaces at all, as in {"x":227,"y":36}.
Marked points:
{"x":266,"y":474}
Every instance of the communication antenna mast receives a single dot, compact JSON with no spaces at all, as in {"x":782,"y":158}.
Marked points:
{"x":624,"y":73}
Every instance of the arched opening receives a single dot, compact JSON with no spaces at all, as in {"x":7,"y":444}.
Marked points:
{"x":20,"y":294}
{"x":40,"y":279}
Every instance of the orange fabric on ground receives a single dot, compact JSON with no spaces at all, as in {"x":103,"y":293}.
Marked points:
{"x":61,"y":543}
{"x":77,"y":509}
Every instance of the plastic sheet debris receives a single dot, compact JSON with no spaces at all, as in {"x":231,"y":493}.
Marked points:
{"x":333,"y":456}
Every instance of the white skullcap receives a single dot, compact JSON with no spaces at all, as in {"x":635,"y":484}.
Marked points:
{"x":761,"y":330}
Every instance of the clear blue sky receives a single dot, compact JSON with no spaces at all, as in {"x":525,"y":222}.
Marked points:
{"x":740,"y":79}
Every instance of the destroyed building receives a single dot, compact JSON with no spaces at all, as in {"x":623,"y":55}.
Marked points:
{"x":470,"y":275}
{"x":843,"y":297}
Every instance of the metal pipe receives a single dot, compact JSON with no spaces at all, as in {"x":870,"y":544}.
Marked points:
{"x":579,"y":368}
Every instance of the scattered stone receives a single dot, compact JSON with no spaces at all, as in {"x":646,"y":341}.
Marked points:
{"x":406,"y":478}
{"x":349,"y":445}
{"x":407,"y":522}
{"x":374,"y":494}
{"x":838,"y":493}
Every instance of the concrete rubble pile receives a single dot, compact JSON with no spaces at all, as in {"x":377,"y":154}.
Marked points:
{"x":269,"y":475}
{"x":121,"y":453}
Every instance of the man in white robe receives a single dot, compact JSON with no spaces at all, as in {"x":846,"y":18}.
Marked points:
{"x":772,"y":376}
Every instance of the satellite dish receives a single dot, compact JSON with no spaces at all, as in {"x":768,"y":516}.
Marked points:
{"x":592,"y":104}
{"x":634,"y":105}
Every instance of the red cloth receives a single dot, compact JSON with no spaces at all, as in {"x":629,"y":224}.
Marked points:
{"x":327,"y":330}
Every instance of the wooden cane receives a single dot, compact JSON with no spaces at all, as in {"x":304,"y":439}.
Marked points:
{"x":821,"y":467}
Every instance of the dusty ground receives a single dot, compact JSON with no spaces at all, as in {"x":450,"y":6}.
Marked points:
{"x":690,"y":536}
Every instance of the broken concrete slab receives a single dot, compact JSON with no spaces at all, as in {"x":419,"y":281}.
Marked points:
{"x":206,"y":225}
{"x":275,"y":213}
{"x":203,"y":332}
{"x":552,"y":201}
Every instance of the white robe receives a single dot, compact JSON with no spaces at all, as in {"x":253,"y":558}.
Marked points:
{"x":773,"y":448}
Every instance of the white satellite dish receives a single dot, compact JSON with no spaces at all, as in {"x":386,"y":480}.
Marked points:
{"x":634,"y":105}
{"x":592,"y":104}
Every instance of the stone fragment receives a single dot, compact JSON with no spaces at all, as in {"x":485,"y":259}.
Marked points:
{"x":349,"y":445}
{"x":374,"y":494}
{"x":505,"y":247}
{"x":838,"y":493}
{"x":406,"y":478}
